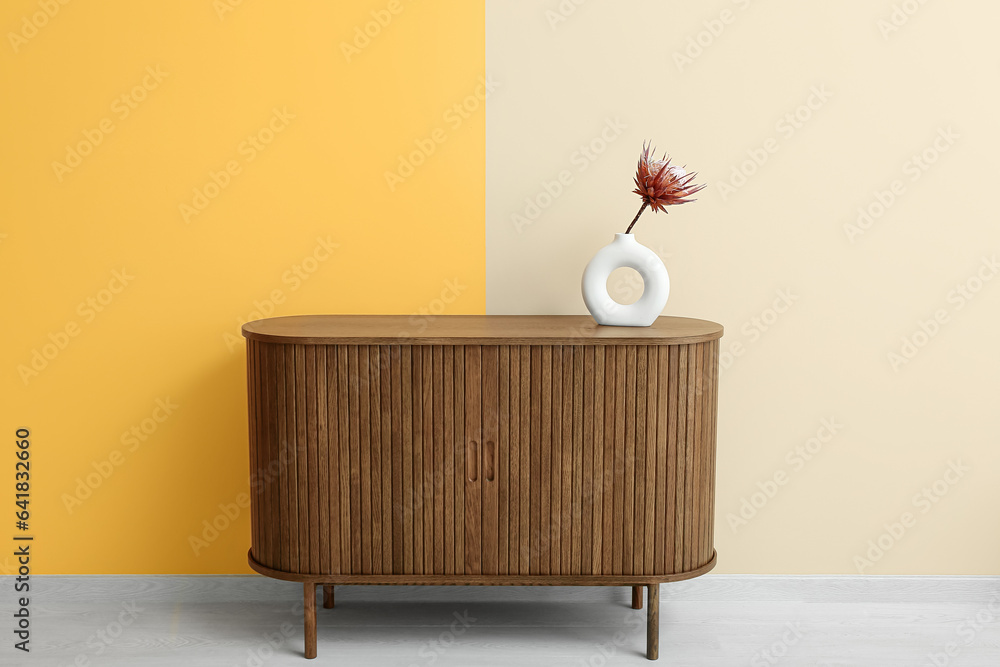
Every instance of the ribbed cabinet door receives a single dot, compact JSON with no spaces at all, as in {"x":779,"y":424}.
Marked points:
{"x":558,"y":479}
{"x":492,"y":514}
{"x":422,"y":397}
{"x":297,"y":435}
{"x":490,"y":474}
{"x":472,"y":446}
{"x":602,"y":458}
{"x":358,"y":454}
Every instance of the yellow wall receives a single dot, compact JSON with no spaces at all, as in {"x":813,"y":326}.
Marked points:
{"x":308,"y":117}
{"x":713,"y":83}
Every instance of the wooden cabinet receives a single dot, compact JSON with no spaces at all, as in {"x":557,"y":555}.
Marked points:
{"x":486,"y":450}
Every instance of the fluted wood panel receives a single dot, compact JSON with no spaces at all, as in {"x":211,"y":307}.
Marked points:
{"x":482,"y":460}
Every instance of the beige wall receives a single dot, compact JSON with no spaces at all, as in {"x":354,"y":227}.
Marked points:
{"x":813,"y":303}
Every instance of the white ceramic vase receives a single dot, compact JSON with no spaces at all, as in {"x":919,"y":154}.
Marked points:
{"x":626,"y":251}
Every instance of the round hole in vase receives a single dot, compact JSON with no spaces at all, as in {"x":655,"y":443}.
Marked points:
{"x":625,"y":285}
{"x":625,"y":251}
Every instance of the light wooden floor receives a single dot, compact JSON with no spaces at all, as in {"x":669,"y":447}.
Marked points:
{"x":715,"y":620}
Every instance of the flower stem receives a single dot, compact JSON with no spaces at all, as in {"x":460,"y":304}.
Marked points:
{"x":641,"y":209}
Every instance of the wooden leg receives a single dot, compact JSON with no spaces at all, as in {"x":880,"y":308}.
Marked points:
{"x":327,"y":596}
{"x":309,"y":591}
{"x":653,"y":622}
{"x":637,"y":597}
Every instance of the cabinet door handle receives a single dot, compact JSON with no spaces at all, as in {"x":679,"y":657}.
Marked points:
{"x":489,"y":460}
{"x":472,"y":461}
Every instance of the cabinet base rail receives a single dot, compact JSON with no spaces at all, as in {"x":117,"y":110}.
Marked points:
{"x":636,"y":582}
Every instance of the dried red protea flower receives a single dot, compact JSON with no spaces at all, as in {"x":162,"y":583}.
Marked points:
{"x":661,"y":184}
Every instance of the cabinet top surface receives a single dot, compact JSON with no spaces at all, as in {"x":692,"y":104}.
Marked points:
{"x":474,"y":330}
